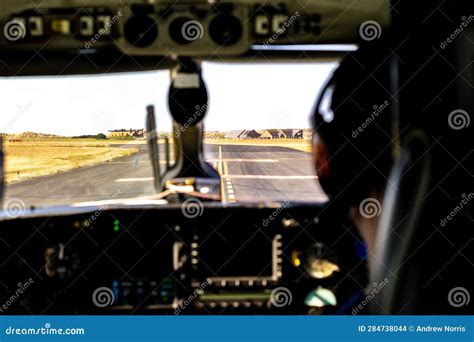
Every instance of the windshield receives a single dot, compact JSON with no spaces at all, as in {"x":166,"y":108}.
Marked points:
{"x":81,"y":139}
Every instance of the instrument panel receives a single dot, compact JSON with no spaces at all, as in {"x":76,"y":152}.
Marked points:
{"x":160,"y":261}
{"x":182,"y":28}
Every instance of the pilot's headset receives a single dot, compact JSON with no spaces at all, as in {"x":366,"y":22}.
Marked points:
{"x":352,"y":126}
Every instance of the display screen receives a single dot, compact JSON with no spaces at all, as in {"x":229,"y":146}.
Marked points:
{"x":236,"y":253}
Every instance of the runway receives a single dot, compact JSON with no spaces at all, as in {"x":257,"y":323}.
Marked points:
{"x":249,"y":174}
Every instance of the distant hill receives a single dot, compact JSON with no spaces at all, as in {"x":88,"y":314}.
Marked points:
{"x":35,"y":135}
{"x":31,"y":135}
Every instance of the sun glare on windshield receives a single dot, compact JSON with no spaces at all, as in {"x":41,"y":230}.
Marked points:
{"x":82,"y":139}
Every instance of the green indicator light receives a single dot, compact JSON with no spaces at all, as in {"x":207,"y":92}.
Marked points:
{"x":116,"y":225}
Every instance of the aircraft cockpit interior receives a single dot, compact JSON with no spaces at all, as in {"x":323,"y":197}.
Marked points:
{"x":236,"y":157}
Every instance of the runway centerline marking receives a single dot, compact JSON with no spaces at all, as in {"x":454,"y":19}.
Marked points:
{"x":230,"y":188}
{"x":227,"y":189}
{"x":221,"y":172}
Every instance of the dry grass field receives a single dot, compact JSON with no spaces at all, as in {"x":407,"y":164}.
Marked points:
{"x":296,"y":144}
{"x":40,"y":157}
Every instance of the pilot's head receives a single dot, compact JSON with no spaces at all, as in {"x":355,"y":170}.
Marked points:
{"x":352,"y":134}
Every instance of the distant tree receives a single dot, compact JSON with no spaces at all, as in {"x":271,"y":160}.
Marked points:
{"x":101,"y":136}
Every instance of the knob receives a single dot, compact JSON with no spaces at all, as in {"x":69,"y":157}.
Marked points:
{"x":184,"y":30}
{"x":61,"y":262}
{"x":141,"y":30}
{"x":225,"y":30}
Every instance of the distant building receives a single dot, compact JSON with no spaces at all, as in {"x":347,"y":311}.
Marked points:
{"x":249,"y":134}
{"x":307,"y":134}
{"x":242,"y":134}
{"x":232,"y":134}
{"x":124,"y":133}
{"x":298,"y":134}
{"x":286,"y":134}
{"x":267,"y":134}
{"x":270,"y":134}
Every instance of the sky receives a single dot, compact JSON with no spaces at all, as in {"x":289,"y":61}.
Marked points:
{"x":242,"y":96}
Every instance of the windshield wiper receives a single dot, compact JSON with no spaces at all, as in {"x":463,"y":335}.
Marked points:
{"x":153,"y":148}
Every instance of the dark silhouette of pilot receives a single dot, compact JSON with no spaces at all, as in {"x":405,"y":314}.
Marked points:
{"x":352,"y":140}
